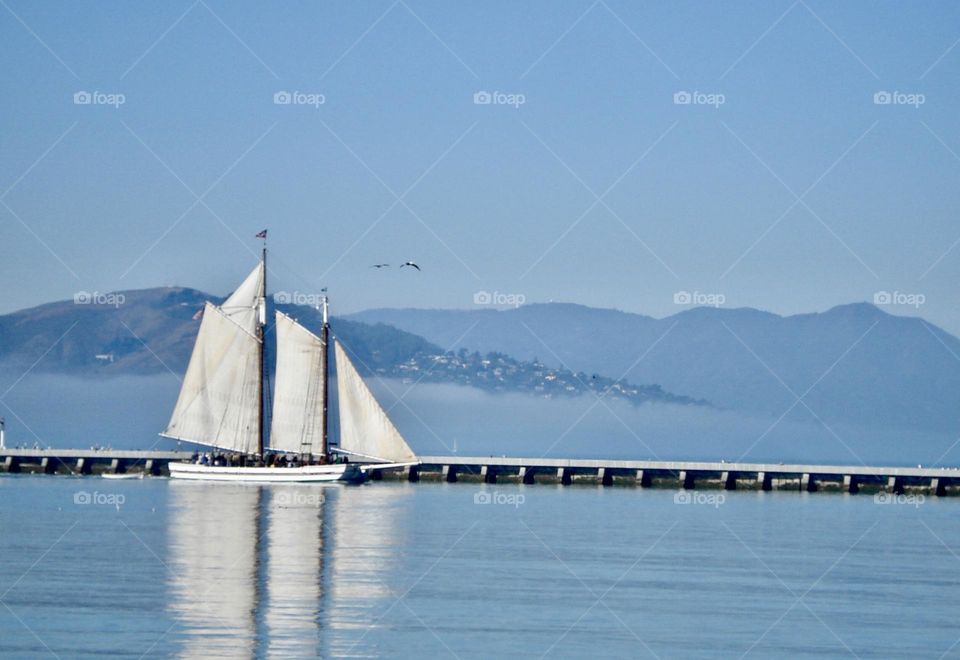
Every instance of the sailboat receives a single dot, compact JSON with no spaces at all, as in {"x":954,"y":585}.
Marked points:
{"x":221,"y":401}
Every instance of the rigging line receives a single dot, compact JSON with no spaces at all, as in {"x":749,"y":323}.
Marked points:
{"x":227,"y":316}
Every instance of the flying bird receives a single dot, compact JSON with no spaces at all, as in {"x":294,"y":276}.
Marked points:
{"x":380,"y":266}
{"x":409,"y":263}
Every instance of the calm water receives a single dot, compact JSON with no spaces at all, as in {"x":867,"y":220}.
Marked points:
{"x":94,"y":568}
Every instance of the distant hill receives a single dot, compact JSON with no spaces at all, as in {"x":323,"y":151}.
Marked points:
{"x":152,"y":330}
{"x":859,"y":363}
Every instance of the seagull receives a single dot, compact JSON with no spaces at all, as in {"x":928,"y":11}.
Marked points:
{"x":409,"y":263}
{"x":380,"y":266}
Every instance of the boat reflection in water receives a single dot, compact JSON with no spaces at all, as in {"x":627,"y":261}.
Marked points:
{"x":246,"y":569}
{"x":366,"y":567}
{"x":295,"y":566}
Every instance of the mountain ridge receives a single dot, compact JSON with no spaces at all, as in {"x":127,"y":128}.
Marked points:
{"x":149,"y":331}
{"x":853,"y":362}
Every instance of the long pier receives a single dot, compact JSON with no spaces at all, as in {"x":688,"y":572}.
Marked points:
{"x":685,"y":474}
{"x":492,"y":470}
{"x":88,"y":461}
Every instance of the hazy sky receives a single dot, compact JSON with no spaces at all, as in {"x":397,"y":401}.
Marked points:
{"x":783,"y":184}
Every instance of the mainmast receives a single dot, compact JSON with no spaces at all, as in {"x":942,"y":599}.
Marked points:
{"x":261,"y":325}
{"x":324,"y":338}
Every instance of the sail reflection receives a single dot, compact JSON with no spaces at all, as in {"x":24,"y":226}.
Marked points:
{"x":295,"y":548}
{"x":213,"y":567}
{"x":246,"y":569}
{"x":366,"y":525}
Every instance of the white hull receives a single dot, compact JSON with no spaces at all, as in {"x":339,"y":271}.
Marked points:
{"x":344,"y":472}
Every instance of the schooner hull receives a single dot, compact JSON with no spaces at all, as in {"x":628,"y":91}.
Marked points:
{"x":341,"y":472}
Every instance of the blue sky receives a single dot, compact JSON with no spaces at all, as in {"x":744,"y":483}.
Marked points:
{"x":786,"y":188}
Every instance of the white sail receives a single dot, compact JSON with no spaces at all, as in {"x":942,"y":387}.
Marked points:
{"x":220,"y":396}
{"x":365,"y":429}
{"x":298,"y":396}
{"x":247,"y":306}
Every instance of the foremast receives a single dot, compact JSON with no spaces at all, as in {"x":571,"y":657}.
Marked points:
{"x":261,"y":336}
{"x":325,"y":340}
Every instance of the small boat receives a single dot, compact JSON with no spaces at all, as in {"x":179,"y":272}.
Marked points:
{"x":124,"y":475}
{"x":221,"y":402}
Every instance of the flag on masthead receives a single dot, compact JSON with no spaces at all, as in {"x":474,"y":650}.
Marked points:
{"x":262,"y":234}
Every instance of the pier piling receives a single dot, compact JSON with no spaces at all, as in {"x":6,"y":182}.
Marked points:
{"x":728,"y":480}
{"x":604,"y":477}
{"x":764,"y":481}
{"x":488,"y":475}
{"x":850,"y":484}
